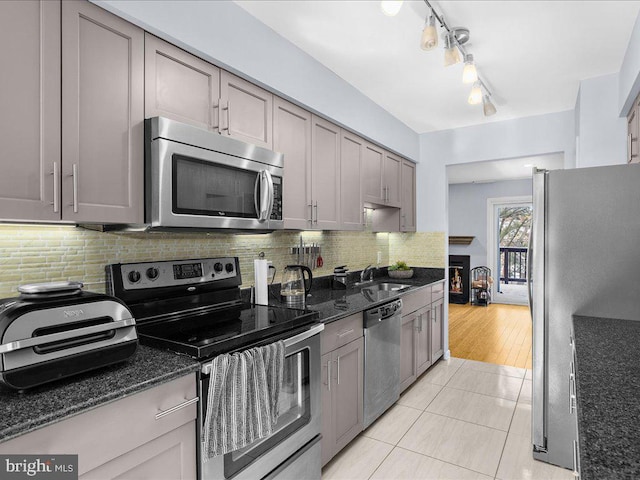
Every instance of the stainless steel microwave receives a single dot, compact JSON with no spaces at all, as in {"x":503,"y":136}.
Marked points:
{"x":199,"y":179}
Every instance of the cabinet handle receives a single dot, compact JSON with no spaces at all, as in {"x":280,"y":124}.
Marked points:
{"x":388,"y":195}
{"x":340,"y":335}
{"x":384,"y":193}
{"x":338,"y":369}
{"x":56,"y":187}
{"x":180,"y":406}
{"x":220,"y":127}
{"x":74,"y":174}
{"x":310,"y":212}
{"x":329,"y":375}
{"x":316,"y":209}
{"x":404,"y":220}
{"x":420,"y":326}
{"x":629,"y":147}
{"x":216,"y":116}
{"x":228,"y":117}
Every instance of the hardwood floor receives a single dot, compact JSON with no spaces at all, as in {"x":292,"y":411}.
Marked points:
{"x":498,"y":334}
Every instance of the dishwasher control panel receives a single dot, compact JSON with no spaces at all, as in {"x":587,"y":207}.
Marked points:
{"x":382,"y":312}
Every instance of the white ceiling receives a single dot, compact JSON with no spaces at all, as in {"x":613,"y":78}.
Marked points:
{"x":532,"y":54}
{"x":499,"y":170}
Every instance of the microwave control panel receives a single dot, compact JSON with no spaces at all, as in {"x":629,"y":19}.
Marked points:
{"x":276,"y":212}
{"x":136,"y":276}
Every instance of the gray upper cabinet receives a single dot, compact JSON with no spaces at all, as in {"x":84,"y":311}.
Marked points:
{"x":292,"y":137}
{"x":246,"y":111}
{"x":325,"y":174}
{"x":30,"y":120}
{"x":102,"y":116}
{"x":372,"y":170}
{"x":408,"y":207}
{"x":391,"y":180}
{"x":351,"y":208}
{"x":179,"y":85}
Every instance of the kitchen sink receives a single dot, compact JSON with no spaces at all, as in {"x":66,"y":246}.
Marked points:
{"x":387,"y":287}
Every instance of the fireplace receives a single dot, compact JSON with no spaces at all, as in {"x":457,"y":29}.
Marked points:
{"x":459,"y":278}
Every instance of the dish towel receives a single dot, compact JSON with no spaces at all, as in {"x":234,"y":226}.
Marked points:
{"x":242,"y":407}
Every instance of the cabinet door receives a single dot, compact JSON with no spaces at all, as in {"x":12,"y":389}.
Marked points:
{"x":30,"y":120}
{"x":437,"y":340}
{"x":292,"y":137}
{"x":372,"y":170}
{"x":246,"y":111}
{"x":348,"y":397}
{"x":632,"y":135}
{"x":179,"y":85}
{"x":408,"y":350}
{"x":328,"y":435}
{"x":423,"y":340}
{"x":325,"y":174}
{"x":171,"y":456}
{"x":102,"y":116}
{"x":408,"y":208}
{"x":351,"y":208}
{"x":391,"y":180}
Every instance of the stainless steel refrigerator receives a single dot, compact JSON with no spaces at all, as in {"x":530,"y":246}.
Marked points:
{"x":585,"y":260}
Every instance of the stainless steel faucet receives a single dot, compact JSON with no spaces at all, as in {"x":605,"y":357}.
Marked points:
{"x":367,"y":270}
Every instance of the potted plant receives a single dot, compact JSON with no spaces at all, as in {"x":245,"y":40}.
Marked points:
{"x":400,"y":270}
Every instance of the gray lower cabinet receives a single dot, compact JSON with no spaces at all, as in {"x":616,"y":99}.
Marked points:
{"x":102,"y":116}
{"x":30,"y":120}
{"x":342,"y":384}
{"x":421,"y":340}
{"x":161,"y":446}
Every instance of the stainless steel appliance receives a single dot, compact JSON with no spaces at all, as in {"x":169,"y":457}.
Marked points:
{"x":584,"y":261}
{"x":382,"y":326}
{"x":194,"y":307}
{"x":199,"y":179}
{"x":295,"y":285}
{"x":56,"y":330}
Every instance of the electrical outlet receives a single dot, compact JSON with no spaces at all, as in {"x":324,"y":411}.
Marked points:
{"x":379,"y":258}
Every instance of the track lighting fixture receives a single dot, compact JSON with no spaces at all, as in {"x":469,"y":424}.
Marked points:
{"x":488,"y":107}
{"x":429,"y":39}
{"x":391,"y":7}
{"x":469,"y":73}
{"x":454,"y":40}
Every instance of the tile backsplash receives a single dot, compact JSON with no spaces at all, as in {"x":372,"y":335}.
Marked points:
{"x":31,"y":253}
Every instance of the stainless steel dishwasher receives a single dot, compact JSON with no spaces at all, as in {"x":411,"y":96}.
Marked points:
{"x":382,"y":327}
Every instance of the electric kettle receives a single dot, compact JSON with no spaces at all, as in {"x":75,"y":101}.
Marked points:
{"x":295,"y":286}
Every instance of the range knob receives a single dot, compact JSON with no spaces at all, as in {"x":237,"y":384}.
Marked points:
{"x":218,"y":267}
{"x":229,"y":267}
{"x":134,"y":276}
{"x":152,"y":273}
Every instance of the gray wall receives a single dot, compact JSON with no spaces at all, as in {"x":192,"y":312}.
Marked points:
{"x":468,"y":214}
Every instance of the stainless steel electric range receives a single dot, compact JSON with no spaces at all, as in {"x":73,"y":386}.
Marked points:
{"x":194,"y":307}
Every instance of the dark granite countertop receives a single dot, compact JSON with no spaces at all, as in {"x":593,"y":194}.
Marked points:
{"x":34,"y":408}
{"x":608,"y":390}
{"x":336,"y":304}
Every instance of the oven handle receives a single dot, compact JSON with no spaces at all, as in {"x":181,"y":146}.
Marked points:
{"x":264,"y":204}
{"x":315,"y":330}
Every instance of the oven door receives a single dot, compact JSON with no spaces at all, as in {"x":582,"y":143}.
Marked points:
{"x":193,"y":187}
{"x":298,"y":423}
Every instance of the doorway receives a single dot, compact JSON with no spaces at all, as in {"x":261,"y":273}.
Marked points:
{"x":508,"y":231}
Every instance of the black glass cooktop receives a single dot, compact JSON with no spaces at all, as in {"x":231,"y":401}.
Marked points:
{"x":205,"y":334}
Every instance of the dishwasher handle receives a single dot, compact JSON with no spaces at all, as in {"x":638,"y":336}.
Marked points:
{"x":376,"y":315}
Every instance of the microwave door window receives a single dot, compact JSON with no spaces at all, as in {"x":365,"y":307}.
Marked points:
{"x":205,"y":188}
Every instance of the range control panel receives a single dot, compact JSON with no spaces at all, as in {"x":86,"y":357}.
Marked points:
{"x":136,"y":276}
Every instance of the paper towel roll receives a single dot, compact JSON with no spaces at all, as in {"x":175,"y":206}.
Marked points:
{"x":260,"y":272}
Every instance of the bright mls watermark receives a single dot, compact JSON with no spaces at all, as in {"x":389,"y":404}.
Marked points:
{"x":45,"y":467}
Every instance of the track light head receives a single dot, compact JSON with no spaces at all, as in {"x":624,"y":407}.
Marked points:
{"x":469,"y":73}
{"x":488,"y":107}
{"x":429,"y":39}
{"x":475,"y":97}
{"x":451,"y":52}
{"x":391,"y":7}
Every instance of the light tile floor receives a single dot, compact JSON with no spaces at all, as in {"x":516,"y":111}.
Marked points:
{"x":461,"y":420}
